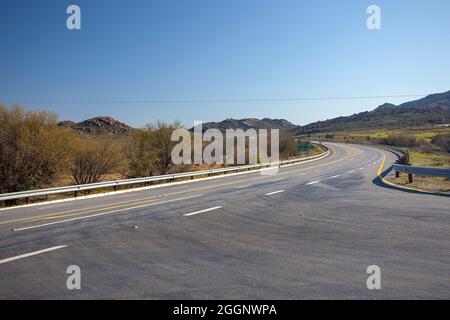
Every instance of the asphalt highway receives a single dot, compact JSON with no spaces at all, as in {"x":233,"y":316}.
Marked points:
{"x":308,"y":232}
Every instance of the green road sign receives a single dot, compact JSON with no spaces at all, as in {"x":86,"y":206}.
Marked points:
{"x":303,"y":148}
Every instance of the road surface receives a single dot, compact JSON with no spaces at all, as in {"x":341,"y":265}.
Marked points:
{"x":309,"y":232}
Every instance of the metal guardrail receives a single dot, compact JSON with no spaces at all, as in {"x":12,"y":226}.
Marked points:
{"x":402,"y":165}
{"x":76,"y":189}
{"x":424,"y":171}
{"x":402,"y":154}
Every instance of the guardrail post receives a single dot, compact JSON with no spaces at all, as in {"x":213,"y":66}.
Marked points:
{"x":397,"y":174}
{"x":410,"y":177}
{"x":75,"y":194}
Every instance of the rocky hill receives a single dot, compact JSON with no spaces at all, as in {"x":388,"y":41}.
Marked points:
{"x":98,"y":126}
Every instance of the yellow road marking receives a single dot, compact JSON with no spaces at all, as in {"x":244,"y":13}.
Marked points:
{"x":102,"y":207}
{"x":98,"y":208}
{"x":380,"y":171}
{"x":101,"y":214}
{"x":52,"y":217}
{"x":75,"y":211}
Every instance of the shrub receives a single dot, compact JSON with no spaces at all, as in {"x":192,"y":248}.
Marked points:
{"x":33,"y":150}
{"x":288,"y":146}
{"x":400,"y":140}
{"x":442,"y":141}
{"x":149,"y":152}
{"x":93,"y":160}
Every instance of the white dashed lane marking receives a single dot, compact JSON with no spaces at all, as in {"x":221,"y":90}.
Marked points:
{"x":275,"y":192}
{"x":202,"y":211}
{"x":30,"y":254}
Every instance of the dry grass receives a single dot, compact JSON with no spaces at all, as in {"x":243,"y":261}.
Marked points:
{"x":431,"y":184}
{"x":439,"y":160}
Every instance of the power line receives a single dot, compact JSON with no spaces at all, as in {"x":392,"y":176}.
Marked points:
{"x":186,"y":101}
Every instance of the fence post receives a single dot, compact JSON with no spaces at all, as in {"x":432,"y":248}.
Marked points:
{"x":410,"y":177}
{"x":397,"y":174}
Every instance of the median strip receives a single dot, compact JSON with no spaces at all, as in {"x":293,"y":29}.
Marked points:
{"x":202,"y":211}
{"x":30,"y":254}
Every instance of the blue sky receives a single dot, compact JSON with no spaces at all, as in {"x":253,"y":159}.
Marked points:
{"x":227,"y":49}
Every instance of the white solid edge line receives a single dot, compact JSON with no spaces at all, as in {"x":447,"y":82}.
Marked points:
{"x":324,"y":155}
{"x":275,"y":192}
{"x":30,"y":254}
{"x":201,"y":211}
{"x":311,"y":183}
{"x":102,"y":214}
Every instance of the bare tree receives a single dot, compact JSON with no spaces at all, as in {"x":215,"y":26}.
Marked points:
{"x":93,"y":160}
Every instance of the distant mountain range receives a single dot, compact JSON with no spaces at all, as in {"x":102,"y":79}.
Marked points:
{"x":438,"y":100}
{"x":250,"y":123}
{"x":431,"y":110}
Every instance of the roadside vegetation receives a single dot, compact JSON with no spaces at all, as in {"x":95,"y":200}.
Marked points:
{"x":36,"y":152}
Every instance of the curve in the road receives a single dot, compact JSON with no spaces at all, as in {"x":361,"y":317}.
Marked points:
{"x":308,"y":232}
